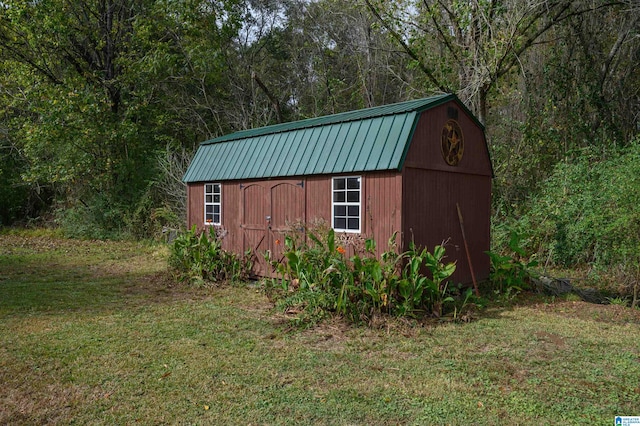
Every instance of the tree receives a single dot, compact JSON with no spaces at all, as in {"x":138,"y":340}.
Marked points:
{"x":88,"y":109}
{"x":477,"y":43}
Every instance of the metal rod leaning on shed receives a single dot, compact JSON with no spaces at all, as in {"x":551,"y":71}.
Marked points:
{"x":466,"y":249}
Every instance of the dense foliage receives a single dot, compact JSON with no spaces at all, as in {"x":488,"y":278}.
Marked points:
{"x":102,"y":102}
{"x":587,"y":211}
{"x":198,"y":258}
{"x":318,"y":278}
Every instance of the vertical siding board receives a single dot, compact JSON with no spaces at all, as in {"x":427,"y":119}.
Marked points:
{"x":425,"y":148}
{"x":195,"y":205}
{"x":230,"y":221}
{"x":381,"y":213}
{"x":318,"y":198}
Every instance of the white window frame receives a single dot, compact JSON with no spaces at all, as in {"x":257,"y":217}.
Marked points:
{"x":346,"y":203}
{"x":210,"y":201}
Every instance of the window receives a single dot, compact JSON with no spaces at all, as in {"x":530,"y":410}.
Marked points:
{"x":346,"y":204}
{"x":212,"y":203}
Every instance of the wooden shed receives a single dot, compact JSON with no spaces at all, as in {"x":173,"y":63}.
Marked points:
{"x":397,"y":168}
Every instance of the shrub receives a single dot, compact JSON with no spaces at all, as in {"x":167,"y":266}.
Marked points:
{"x":511,"y":272}
{"x":199,"y":258}
{"x":319,"y":280}
{"x":588,"y":212}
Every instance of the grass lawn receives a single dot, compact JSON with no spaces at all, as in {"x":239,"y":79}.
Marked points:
{"x":96,"y":333}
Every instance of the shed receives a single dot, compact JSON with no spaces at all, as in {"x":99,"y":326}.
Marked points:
{"x":402,"y":168}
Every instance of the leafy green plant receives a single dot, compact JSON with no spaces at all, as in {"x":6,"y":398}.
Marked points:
{"x":199,"y":258}
{"x":618,"y":301}
{"x":314,"y":277}
{"x":595,"y":220}
{"x":419,"y":292}
{"x":511,"y":272}
{"x":318,"y":279}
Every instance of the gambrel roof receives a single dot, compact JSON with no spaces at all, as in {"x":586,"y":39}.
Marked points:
{"x":357,"y":141}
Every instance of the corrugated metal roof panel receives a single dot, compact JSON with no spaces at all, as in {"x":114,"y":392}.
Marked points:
{"x":355,"y":141}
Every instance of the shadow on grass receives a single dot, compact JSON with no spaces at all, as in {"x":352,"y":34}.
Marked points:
{"x":53,"y":284}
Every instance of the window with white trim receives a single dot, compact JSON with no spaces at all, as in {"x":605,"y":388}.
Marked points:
{"x":345,"y":204}
{"x":212,"y":204}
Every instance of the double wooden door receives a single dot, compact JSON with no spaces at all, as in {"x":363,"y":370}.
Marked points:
{"x":269,"y":209}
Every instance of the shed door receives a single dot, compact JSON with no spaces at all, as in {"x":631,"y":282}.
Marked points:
{"x":269,"y":208}
{"x":254,"y":223}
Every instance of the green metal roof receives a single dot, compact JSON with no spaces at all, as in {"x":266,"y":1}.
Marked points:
{"x":356,"y":141}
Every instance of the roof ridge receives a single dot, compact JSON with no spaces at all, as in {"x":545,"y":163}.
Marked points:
{"x":355,"y":115}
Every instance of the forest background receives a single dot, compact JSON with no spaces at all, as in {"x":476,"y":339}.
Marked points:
{"x":103,"y":103}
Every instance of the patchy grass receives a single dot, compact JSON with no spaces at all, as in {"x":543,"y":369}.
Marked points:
{"x":94,"y":333}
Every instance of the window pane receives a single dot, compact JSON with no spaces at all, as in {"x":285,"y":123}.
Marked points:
{"x":353,"y":183}
{"x":354,"y":223}
{"x":339,"y":183}
{"x":354,"y":211}
{"x":208,"y":189}
{"x":338,"y":197}
{"x":353,"y":196}
{"x":209,"y":209}
{"x":216,"y":209}
{"x":216,"y":218}
{"x":208,"y":199}
{"x":216,"y":188}
{"x":339,"y":210}
{"x":340,"y":223}
{"x":216,"y":198}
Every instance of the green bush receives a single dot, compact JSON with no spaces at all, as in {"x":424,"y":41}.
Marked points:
{"x":587,"y":211}
{"x":511,"y":272}
{"x":318,"y":280}
{"x":199,"y":258}
{"x":98,"y":218}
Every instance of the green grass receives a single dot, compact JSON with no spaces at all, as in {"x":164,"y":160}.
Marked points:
{"x":95,"y":333}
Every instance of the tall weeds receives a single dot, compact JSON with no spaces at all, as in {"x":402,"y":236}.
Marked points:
{"x":318,"y":279}
{"x":199,"y":258}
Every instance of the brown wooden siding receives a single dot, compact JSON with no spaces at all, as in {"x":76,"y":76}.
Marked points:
{"x":195,"y":205}
{"x":245,"y":206}
{"x":382,"y":208}
{"x":431,"y":216}
{"x":425,"y":150}
{"x":318,"y":199}
{"x":432,"y":188}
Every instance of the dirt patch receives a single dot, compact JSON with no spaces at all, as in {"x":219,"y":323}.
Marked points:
{"x":53,"y":404}
{"x":161,"y":287}
{"x":551,"y":338}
